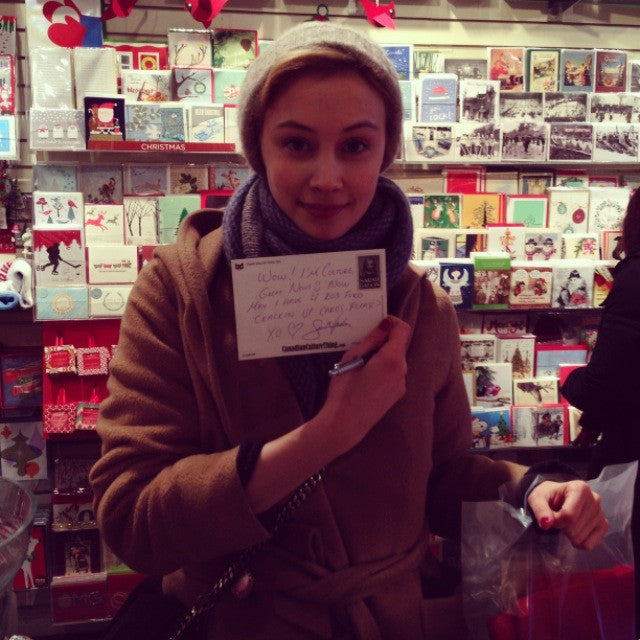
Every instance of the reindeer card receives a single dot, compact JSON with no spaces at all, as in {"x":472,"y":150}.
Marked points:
{"x":101,"y":184}
{"x":110,"y":264}
{"x":189,"y":48}
{"x":187,"y":178}
{"x":193,"y":85}
{"x":141,"y":220}
{"x":23,"y":452}
{"x":52,"y":209}
{"x":103,"y":224}
{"x":146,"y":179}
{"x":58,"y":257}
{"x":536,"y":390}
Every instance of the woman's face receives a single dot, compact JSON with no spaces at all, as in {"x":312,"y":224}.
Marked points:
{"x":322,"y":142}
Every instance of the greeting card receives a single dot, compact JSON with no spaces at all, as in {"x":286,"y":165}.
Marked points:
{"x":464,"y":179}
{"x":607,"y":207}
{"x":58,"y":257}
{"x":8,"y":37}
{"x":529,"y":210}
{"x":519,"y":351}
{"x":9,"y":138}
{"x":54,"y":177}
{"x":95,"y":72}
{"x":477,"y":142}
{"x":572,"y":284}
{"x":51,"y":80}
{"x":7,"y":84}
{"x":206,"y":123}
{"x":234,"y":48}
{"x":226,"y":85}
{"x":506,"y":65}
{"x":584,"y":246}
{"x":535,"y":182}
{"x":542,"y":244}
{"x":56,"y":129}
{"x":141,"y":220}
{"x":23,"y":451}
{"x":611,"y":245}
{"x":57,"y":209}
{"x":103,"y":224}
{"x":480,"y":209}
{"x":477,"y":348}
{"x":21,"y":380}
{"x":611,"y":70}
{"x":430,"y":244}
{"x":549,"y":356}
{"x":193,"y":85}
{"x":542,"y":426}
{"x":568,"y":209}
{"x":493,"y":382}
{"x":401,"y":56}
{"x":162,"y":122}
{"x":530,"y":284}
{"x":428,"y":142}
{"x":108,"y":300}
{"x":615,"y":142}
{"x":441,"y":211}
{"x":140,"y":85}
{"x":492,"y":275}
{"x":112,"y":264}
{"x":509,"y":238}
{"x":466,"y":241}
{"x":189,"y":48}
{"x":100,"y":184}
{"x":536,"y":390}
{"x":172,"y":210}
{"x":491,"y":428}
{"x":104,"y":119}
{"x":146,"y":179}
{"x":524,"y":141}
{"x":542,"y":69}
{"x":61,"y":303}
{"x":602,"y":282}
{"x":139,"y":55}
{"x":187,"y":178}
{"x":456,"y":278}
{"x":576,"y":69}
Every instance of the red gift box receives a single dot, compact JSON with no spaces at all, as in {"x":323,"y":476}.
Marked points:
{"x":119,"y":586}
{"x":78,"y":598}
{"x":59,"y":358}
{"x":59,"y":417}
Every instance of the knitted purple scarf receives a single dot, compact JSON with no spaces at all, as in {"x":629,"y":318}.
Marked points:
{"x":254,"y":226}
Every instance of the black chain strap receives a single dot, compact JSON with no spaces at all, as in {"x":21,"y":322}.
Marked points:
{"x":207,"y":601}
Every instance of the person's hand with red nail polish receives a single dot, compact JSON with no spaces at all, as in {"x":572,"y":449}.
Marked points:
{"x":571,"y":507}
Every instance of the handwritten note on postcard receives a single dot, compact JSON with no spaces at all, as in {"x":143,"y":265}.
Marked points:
{"x":320,"y":302}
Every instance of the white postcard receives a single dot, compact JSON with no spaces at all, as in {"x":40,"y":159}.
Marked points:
{"x":313,"y":303}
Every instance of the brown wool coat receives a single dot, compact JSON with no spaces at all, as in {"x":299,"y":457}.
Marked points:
{"x":167,"y":493}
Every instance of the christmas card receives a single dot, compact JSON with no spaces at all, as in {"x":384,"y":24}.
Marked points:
{"x":524,"y":141}
{"x":51,"y":80}
{"x":541,"y":69}
{"x":531,"y":284}
{"x":100,"y":184}
{"x":562,"y":106}
{"x":95,"y":72}
{"x":476,"y":348}
{"x":504,"y":324}
{"x":141,"y":85}
{"x":193,"y":85}
{"x":162,"y":122}
{"x":611,"y":245}
{"x":58,"y":257}
{"x":568,"y":209}
{"x":7,"y":84}
{"x":491,"y":428}
{"x":607,"y":207}
{"x":572,"y":284}
{"x":103,"y":224}
{"x":543,"y":426}
{"x":112,"y":264}
{"x":189,"y":48}
{"x":479,"y":209}
{"x":428,"y":142}
{"x":571,"y":141}
{"x":508,"y":238}
{"x":477,"y":142}
{"x":61,"y":303}
{"x":492,"y":275}
{"x":226,"y":85}
{"x":602,"y":281}
{"x":576,"y":69}
{"x":542,"y":244}
{"x":611,"y":70}
{"x":506,"y":65}
{"x":456,"y":278}
{"x":466,"y":241}
{"x":104,"y":118}
{"x":493,"y":384}
{"x":108,"y":300}
{"x":437,"y":96}
{"x":206,"y":123}
{"x":549,"y":356}
{"x":430,"y":244}
{"x":464,"y":179}
{"x":529,"y":210}
{"x":401,"y":56}
{"x":141,"y":220}
{"x":479,"y":100}
{"x":615,"y":142}
{"x":536,"y":390}
{"x":234,"y":48}
{"x":146,"y":179}
{"x":580,"y":246}
{"x":57,"y":209}
{"x":187,"y":178}
{"x":54,"y":177}
{"x":519,"y":351}
{"x":172,"y":210}
{"x":56,"y":129}
{"x":520,"y":107}
{"x":535,"y":182}
{"x":441,"y":211}
{"x":611,"y":108}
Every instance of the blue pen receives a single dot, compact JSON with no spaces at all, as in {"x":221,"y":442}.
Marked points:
{"x":342,"y":367}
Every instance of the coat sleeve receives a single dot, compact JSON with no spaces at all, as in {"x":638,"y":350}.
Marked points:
{"x":458,"y":474}
{"x":161,"y":502}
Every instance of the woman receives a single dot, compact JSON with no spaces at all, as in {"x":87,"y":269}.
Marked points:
{"x":606,"y":390}
{"x":198,"y":447}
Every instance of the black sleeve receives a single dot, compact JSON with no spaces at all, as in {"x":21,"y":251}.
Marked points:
{"x":247,"y":459}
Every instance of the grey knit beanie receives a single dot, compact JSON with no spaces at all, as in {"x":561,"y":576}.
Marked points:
{"x":364,"y":52}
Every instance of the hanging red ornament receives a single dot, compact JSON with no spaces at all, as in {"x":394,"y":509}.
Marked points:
{"x":379,"y":15}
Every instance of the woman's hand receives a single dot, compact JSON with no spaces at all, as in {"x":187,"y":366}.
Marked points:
{"x":571,"y":507}
{"x":358,"y":399}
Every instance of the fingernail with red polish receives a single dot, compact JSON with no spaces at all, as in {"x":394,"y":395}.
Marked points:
{"x":545,"y":523}
{"x":385,"y":325}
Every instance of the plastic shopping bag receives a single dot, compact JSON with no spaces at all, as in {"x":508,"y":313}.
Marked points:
{"x":522,"y":584}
